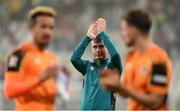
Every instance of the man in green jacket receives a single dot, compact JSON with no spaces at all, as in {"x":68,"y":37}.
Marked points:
{"x":93,"y":96}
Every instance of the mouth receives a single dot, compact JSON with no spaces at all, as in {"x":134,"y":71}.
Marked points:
{"x":46,"y":38}
{"x":98,"y":55}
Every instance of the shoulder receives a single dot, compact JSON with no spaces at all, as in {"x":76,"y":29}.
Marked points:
{"x":27,"y":46}
{"x":158,"y":53}
{"x":15,"y":59}
{"x":21,"y":49}
{"x":17,"y":55}
{"x":161,"y":64}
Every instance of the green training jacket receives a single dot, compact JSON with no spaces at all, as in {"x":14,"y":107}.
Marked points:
{"x":93,"y":96}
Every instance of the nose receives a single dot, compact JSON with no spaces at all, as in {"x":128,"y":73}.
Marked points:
{"x":48,"y":31}
{"x":98,"y":49}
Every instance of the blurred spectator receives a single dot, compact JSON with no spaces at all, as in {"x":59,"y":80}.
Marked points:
{"x":75,"y":15}
{"x":2,"y":69}
{"x":63,"y":85}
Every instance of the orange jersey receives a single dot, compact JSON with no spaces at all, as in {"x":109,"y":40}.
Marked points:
{"x":24,"y":67}
{"x":147,"y":72}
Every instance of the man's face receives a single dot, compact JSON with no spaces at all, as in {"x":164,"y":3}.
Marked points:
{"x":99,"y":50}
{"x":128,"y":33}
{"x":43,"y":30}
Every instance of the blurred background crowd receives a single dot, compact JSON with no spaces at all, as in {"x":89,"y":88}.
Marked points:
{"x":74,"y":17}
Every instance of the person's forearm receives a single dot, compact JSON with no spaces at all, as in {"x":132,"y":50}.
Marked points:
{"x":152,"y":101}
{"x":80,"y":48}
{"x":76,"y":60}
{"x":113,"y":51}
{"x":14,"y":87}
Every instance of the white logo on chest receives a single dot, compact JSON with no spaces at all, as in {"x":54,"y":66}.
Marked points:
{"x":92,"y":68}
{"x":37,"y":61}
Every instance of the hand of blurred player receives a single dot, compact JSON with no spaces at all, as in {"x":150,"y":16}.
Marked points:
{"x":101,"y":25}
{"x":92,"y":34}
{"x":51,"y":71}
{"x":110,"y":80}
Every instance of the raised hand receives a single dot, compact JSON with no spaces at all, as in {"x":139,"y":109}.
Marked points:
{"x":101,"y":25}
{"x":92,"y":31}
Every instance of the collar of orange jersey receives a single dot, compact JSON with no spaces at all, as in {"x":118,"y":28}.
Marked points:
{"x":148,"y":48}
{"x":32,"y":46}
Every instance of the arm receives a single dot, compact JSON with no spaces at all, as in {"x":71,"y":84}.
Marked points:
{"x":157,"y":89}
{"x":76,"y":60}
{"x":16,"y":82}
{"x":14,"y":85}
{"x":110,"y":81}
{"x":115,"y":57}
{"x":151,"y":100}
{"x":113,"y":51}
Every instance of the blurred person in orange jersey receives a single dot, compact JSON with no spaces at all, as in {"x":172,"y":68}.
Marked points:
{"x":147,"y":67}
{"x":31,"y":69}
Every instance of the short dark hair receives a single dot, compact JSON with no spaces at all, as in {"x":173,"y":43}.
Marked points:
{"x":97,"y":40}
{"x":40,"y":11}
{"x":139,"y":19}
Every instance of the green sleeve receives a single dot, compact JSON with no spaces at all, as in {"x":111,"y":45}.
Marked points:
{"x":76,"y":60}
{"x":113,"y":51}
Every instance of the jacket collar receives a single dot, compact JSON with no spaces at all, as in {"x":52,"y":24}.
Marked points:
{"x":97,"y":62}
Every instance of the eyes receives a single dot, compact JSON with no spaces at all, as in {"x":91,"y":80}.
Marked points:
{"x":98,"y":46}
{"x":44,"y":26}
